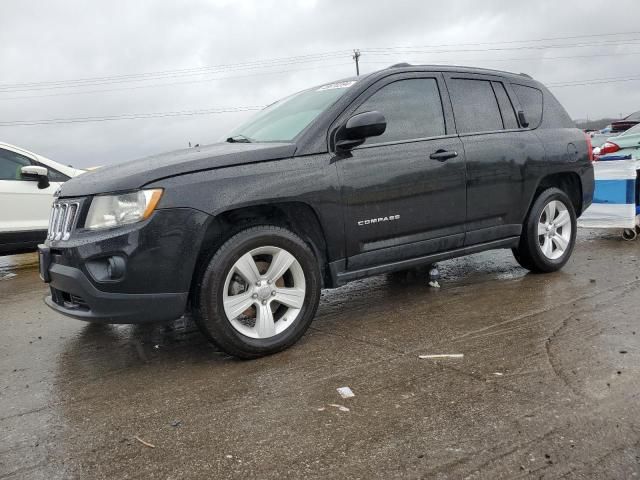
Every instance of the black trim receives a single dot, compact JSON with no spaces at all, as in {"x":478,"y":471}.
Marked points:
{"x":341,"y":277}
{"x":21,"y":242}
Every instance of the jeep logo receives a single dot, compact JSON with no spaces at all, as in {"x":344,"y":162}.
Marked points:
{"x":371,"y":221}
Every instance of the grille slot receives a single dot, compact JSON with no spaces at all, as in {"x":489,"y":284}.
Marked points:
{"x":62,"y":220}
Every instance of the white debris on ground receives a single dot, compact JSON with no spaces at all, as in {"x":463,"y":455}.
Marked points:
{"x":442,"y":355}
{"x":7,"y":276}
{"x":346,"y":392}
{"x":342,"y":408}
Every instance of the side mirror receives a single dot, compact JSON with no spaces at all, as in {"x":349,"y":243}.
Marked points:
{"x":36,"y":172}
{"x":524,"y":123}
{"x":360,"y":127}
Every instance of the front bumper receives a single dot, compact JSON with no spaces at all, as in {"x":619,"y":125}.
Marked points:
{"x":156,"y":259}
{"x":73,"y":295}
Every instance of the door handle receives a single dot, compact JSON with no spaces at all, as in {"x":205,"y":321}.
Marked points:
{"x":443,"y":155}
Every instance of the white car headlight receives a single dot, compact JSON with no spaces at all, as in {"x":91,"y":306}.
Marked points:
{"x":108,"y":211}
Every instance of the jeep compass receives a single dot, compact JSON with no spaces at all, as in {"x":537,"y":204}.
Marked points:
{"x":381,"y":173}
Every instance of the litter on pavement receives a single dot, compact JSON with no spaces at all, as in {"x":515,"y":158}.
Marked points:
{"x":342,"y":408}
{"x":346,"y":392}
{"x":442,"y":355}
{"x":434,"y":276}
{"x":146,"y":444}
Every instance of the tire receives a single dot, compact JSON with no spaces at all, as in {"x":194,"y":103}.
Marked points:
{"x":547,"y":243}
{"x":230,"y":283}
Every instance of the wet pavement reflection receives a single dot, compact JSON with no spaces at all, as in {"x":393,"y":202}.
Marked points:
{"x":547,"y":385}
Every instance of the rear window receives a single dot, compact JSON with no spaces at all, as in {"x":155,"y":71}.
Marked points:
{"x":531,"y":102}
{"x":474,"y":105}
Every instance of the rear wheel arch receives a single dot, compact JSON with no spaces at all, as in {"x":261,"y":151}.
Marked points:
{"x":568,"y":182}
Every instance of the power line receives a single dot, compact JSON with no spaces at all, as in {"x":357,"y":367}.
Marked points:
{"x":12,"y":89}
{"x":87,"y":81}
{"x":519,"y":41}
{"x":218,"y":110}
{"x":184,"y":82}
{"x":129,"y":116}
{"x":399,"y":50}
{"x":563,"y":57}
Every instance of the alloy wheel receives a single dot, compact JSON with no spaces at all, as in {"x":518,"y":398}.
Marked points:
{"x":264,"y":292}
{"x":554,"y":230}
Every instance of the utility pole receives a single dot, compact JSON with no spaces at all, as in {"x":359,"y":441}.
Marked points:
{"x":356,"y":57}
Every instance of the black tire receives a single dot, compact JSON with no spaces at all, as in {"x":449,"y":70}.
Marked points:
{"x":209,"y":313}
{"x":529,"y":252}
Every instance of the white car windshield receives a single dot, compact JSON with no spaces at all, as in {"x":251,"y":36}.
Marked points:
{"x":632,"y":131}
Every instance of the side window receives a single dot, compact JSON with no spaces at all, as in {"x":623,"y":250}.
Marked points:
{"x":508,"y":114}
{"x":412,"y":107}
{"x":531,"y":102}
{"x":10,"y":165}
{"x":474,"y":105}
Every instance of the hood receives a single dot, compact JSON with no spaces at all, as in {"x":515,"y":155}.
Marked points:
{"x":137,"y":173}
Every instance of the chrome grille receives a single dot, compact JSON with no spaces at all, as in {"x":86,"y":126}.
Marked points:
{"x":62,"y":220}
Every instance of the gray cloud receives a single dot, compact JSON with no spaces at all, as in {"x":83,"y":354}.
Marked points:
{"x":51,"y":40}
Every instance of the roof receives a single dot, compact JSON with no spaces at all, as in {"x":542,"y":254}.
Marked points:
{"x":458,"y":69}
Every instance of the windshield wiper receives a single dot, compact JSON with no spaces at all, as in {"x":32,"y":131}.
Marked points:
{"x":239,"y":139}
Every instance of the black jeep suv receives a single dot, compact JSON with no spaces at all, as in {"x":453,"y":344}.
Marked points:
{"x":385,"y":172}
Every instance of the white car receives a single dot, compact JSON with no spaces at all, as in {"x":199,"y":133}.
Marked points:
{"x":27,"y":184}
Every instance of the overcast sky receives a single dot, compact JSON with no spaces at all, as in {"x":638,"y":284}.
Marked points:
{"x":224,"y":54}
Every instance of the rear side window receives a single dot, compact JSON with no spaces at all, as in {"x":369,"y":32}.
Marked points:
{"x":10,"y":165}
{"x":531,"y":102}
{"x":474,"y":105}
{"x":508,"y":114}
{"x":412,"y":107}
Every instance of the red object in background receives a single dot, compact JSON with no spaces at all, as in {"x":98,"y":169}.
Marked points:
{"x":608,"y":147}
{"x":590,"y":148}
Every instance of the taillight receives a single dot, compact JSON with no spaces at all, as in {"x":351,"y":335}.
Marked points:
{"x":608,"y":147}
{"x":589,"y":147}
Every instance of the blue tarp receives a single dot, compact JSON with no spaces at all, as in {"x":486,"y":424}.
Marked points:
{"x":615,"y":191}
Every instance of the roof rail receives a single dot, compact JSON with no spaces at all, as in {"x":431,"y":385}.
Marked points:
{"x":400,"y":65}
{"x":526,"y":75}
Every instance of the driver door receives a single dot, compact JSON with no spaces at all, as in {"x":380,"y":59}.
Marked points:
{"x":401,"y":197}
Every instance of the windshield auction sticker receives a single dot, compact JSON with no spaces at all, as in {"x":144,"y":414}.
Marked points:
{"x":333,"y":86}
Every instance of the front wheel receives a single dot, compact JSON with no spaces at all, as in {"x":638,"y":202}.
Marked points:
{"x":548,"y":234}
{"x":259,"y":293}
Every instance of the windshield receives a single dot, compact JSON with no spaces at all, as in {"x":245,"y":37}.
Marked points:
{"x":283,"y":120}
{"x":634,"y":117}
{"x":632,"y":131}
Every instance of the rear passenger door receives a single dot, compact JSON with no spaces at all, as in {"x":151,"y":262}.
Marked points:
{"x":499,"y":156}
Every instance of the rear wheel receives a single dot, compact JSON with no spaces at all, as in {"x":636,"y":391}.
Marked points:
{"x":548,"y":234}
{"x":259,"y":293}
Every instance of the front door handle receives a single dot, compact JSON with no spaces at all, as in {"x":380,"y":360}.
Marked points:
{"x":443,"y":155}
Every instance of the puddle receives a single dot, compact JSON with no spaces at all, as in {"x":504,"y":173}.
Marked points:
{"x":11,"y":263}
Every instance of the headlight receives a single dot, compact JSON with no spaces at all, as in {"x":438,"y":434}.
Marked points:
{"x":108,"y":211}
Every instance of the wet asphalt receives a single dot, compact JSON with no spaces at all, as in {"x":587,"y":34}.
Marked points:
{"x":549,"y":385}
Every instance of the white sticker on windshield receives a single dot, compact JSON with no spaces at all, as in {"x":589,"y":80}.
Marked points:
{"x":333,"y":86}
